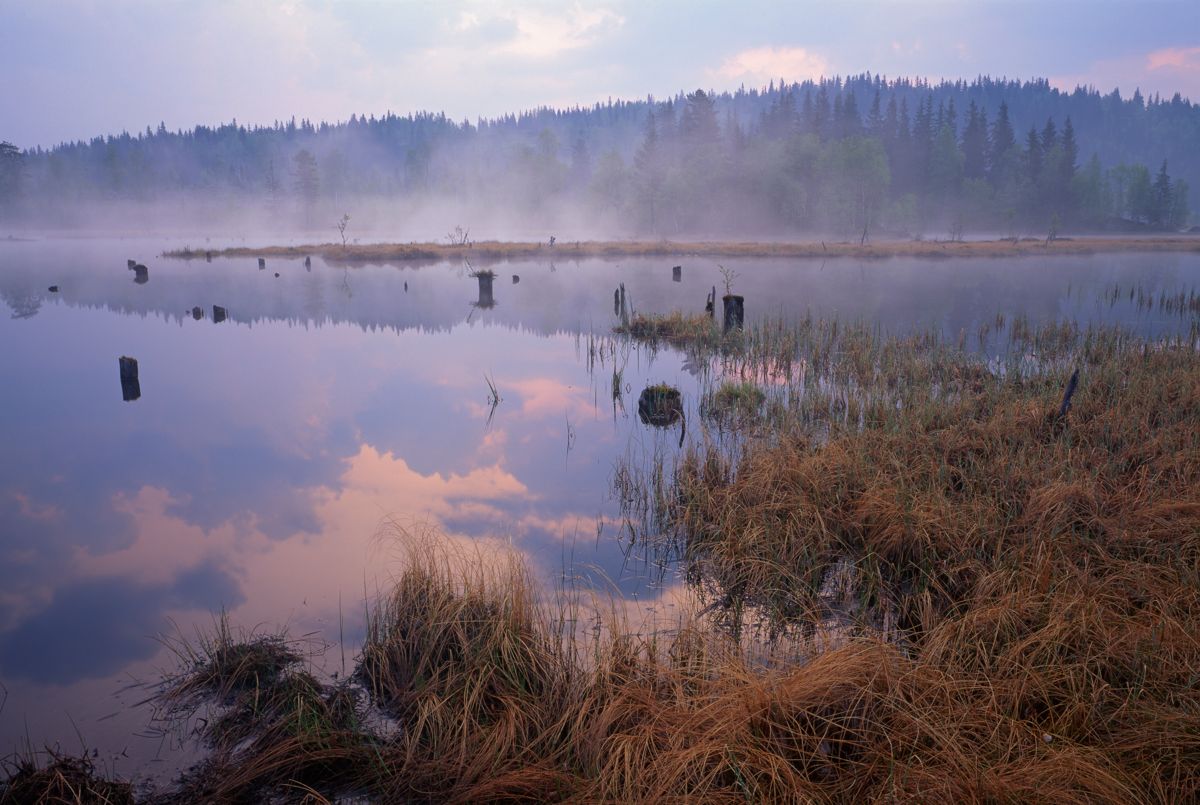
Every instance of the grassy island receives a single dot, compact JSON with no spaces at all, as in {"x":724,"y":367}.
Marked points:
{"x":512,"y":250}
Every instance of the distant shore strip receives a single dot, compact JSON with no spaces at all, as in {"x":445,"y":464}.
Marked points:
{"x":515,"y":250}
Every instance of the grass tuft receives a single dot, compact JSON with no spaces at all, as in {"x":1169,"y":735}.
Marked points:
{"x":60,"y":780}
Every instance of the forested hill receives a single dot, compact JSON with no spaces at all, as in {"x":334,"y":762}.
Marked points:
{"x":858,"y":156}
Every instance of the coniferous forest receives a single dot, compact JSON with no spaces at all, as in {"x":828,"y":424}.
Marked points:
{"x":856,"y":158}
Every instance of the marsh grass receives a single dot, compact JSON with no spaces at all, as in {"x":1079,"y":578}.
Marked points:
{"x":1054,"y":680}
{"x":734,"y":402}
{"x":264,"y":716}
{"x":1060,"y":675}
{"x":696,"y":330}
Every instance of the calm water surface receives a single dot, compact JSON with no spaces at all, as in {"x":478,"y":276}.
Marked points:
{"x":266,"y":451}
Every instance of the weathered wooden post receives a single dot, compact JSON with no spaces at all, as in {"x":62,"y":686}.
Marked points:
{"x":676,"y":273}
{"x":141,"y":274}
{"x":131,"y":388}
{"x":197,"y":313}
{"x":219,"y":314}
{"x":710,"y":302}
{"x":307,"y":263}
{"x":262,"y":263}
{"x":616,"y":302}
{"x":734,"y":311}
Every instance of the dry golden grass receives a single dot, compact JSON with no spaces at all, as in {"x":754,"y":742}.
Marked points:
{"x":513,"y":250}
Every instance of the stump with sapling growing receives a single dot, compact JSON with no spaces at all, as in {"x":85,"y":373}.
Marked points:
{"x":735,"y":312}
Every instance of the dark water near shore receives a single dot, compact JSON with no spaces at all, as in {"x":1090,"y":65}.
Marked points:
{"x":266,"y":451}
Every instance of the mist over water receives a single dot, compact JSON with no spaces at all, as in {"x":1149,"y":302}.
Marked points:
{"x":859,"y":159}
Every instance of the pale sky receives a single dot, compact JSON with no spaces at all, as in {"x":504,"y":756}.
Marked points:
{"x":78,"y":68}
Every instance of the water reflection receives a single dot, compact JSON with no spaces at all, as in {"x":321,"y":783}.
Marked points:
{"x":256,"y":473}
{"x":896,"y":295}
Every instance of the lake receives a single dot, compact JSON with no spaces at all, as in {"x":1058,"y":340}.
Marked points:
{"x":265,"y":456}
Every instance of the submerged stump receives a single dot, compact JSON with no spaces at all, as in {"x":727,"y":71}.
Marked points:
{"x":660,"y":406}
{"x":677,"y":273}
{"x":486,"y":299}
{"x":219,"y":314}
{"x":262,"y":263}
{"x":197,"y":313}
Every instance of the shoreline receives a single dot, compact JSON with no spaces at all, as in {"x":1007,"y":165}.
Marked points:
{"x":496,"y":251}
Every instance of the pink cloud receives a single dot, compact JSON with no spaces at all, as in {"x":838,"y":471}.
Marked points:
{"x":769,"y":63}
{"x":544,"y":396}
{"x":1165,"y":71}
{"x":1187,"y":59}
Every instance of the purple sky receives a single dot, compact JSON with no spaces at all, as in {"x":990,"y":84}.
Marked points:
{"x":78,"y":68}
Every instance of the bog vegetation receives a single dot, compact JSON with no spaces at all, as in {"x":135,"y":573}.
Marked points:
{"x":931,"y":577}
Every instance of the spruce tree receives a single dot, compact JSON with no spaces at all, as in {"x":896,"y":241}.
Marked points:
{"x":1003,"y":141}
{"x":1069,"y":149}
{"x":1049,"y":136}
{"x":974,"y":144}
{"x":1160,"y":206}
{"x":875,"y":118}
{"x":1033,"y":154}
{"x":851,"y":124}
{"x":820,"y":118}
